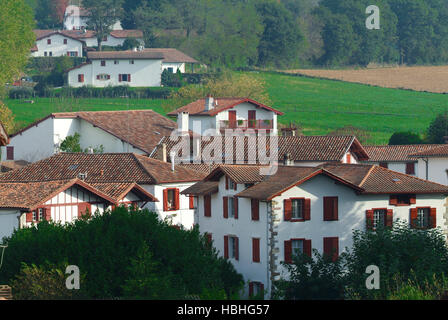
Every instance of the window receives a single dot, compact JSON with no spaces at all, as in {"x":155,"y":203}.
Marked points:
{"x":103,"y":63}
{"x":9,"y":153}
{"x":255,"y":209}
{"x":384,"y":165}
{"x":231,"y":247}
{"x":45,"y":53}
{"x":256,"y":289}
{"x":331,"y":208}
{"x":65,"y":41}
{"x":295,"y":247}
{"x":171,"y":199}
{"x":230,"y":207}
{"x":410,"y":168}
{"x":50,"y":53}
{"x":72,"y":53}
{"x":116,"y":62}
{"x":402,"y":199}
{"x":105,"y":38}
{"x":131,"y":61}
{"x":207,"y":206}
{"x":103,"y":77}
{"x":297,"y":209}
{"x":48,"y":41}
{"x":349,"y":158}
{"x":171,"y":70}
{"x":255,"y":250}
{"x":381,"y":217}
{"x":331,"y":247}
{"x":34,"y":216}
{"x":124,"y":78}
{"x":423,"y":218}
{"x":80,"y":77}
{"x":40,"y":214}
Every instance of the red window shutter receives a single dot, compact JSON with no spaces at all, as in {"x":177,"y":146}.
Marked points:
{"x":349,"y":158}
{"x":307,"y":209}
{"x":98,"y":77}
{"x":120,"y":78}
{"x":255,"y":206}
{"x":29,"y":217}
{"x":369,"y":219}
{"x":251,"y":289}
{"x":237,"y":248}
{"x":410,"y":168}
{"x":307,"y":247}
{"x":84,"y":209}
{"x":108,"y":77}
{"x":393,"y":200}
{"x":330,"y":208}
{"x":9,"y":153}
{"x":68,"y":53}
{"x":287,"y":207}
{"x":255,"y":250}
{"x":288,"y":251}
{"x":235,"y":204}
{"x":209,"y":237}
{"x":129,"y":78}
{"x":165,"y":200}
{"x":433,"y":218}
{"x":227,"y":183}
{"x":413,"y":199}
{"x":414,"y":216}
{"x":235,"y":186}
{"x":48,"y":41}
{"x":226,"y":247}
{"x":177,"y":199}
{"x":331,"y":247}
{"x":389,"y":218}
{"x":65,"y":41}
{"x":76,"y":53}
{"x":47,"y":214}
{"x":225,"y":208}
{"x":191,"y":202}
{"x":262,"y":289}
{"x":207,"y":206}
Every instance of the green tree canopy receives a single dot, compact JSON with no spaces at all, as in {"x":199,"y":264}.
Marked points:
{"x":438,"y":129}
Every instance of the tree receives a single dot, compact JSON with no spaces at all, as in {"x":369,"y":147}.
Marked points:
{"x":49,"y":14}
{"x":103,"y":14}
{"x":16,"y":39}
{"x":130,"y":43}
{"x":403,"y":138}
{"x":438,"y":129}
{"x":72,"y":144}
{"x":7,"y":118}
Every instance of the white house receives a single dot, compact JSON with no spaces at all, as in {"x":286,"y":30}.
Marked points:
{"x":136,"y":131}
{"x":433,"y":164}
{"x":114,"y":39}
{"x":76,"y":18}
{"x":216,"y":115}
{"x":397,"y":158}
{"x":51,"y":43}
{"x":174,"y":60}
{"x":63,"y":186}
{"x":257,"y":221}
{"x":115,"y":68}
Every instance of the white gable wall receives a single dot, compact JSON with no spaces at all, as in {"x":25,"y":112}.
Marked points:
{"x":437,"y":170}
{"x":57,"y":46}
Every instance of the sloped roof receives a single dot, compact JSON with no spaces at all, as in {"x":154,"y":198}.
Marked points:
{"x":4,"y":139}
{"x":128,"y":54}
{"x":41,"y":34}
{"x":197,"y":107}
{"x":300,"y":148}
{"x":202,"y":188}
{"x":437,"y":151}
{"x":172,"y":55}
{"x":142,"y":129}
{"x":9,"y":165}
{"x":237,"y":173}
{"x":363,"y":179}
{"x":86,"y":34}
{"x":399,"y":153}
{"x":102,"y":168}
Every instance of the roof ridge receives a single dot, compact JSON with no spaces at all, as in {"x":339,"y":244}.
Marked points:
{"x":367,"y":175}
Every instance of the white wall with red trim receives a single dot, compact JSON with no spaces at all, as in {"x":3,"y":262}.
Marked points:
{"x":57,"y":47}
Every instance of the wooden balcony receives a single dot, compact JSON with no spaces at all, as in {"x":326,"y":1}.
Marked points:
{"x":247,"y":124}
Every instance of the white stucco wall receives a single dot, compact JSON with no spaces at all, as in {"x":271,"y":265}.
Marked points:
{"x":175,"y":66}
{"x":9,"y":221}
{"x":437,"y":170}
{"x":57,"y":46}
{"x":144,"y":73}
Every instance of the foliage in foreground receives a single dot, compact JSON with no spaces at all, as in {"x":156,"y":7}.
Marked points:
{"x":114,"y":250}
{"x":412,"y":265}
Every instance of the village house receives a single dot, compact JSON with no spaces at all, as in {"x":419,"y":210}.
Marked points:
{"x":258,"y":222}
{"x":76,"y":18}
{"x":397,"y":158}
{"x":61,"y":188}
{"x":137,"y":131}
{"x":433,"y":164}
{"x":51,"y":43}
{"x":116,"y":38}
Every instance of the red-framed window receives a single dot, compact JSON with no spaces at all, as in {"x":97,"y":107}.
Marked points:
{"x":255,"y":250}
{"x":331,"y":247}
{"x":294,"y":247}
{"x":231,"y":247}
{"x":209,"y":237}
{"x":349,"y":158}
{"x":9,"y":153}
{"x":230,"y":184}
{"x":256,"y":289}
{"x":192,"y":202}
{"x":331,"y":205}
{"x":379,"y":217}
{"x":255,"y":209}
{"x":297,"y":209}
{"x":124,"y":78}
{"x":84,"y":209}
{"x":423,"y":218}
{"x":48,"y":41}
{"x":402,"y":199}
{"x":207,"y":206}
{"x":171,"y":199}
{"x":38,"y":215}
{"x":103,"y":63}
{"x":410,"y":168}
{"x":80,"y":77}
{"x":65,"y":41}
{"x":230,"y":207}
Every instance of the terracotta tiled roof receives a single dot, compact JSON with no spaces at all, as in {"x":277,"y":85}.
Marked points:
{"x":202,"y":188}
{"x":128,"y":54}
{"x":301,"y":148}
{"x":120,"y":190}
{"x":87,"y":34}
{"x":41,"y":34}
{"x":126,"y":33}
{"x":102,"y":168}
{"x":4,"y":139}
{"x":142,"y":129}
{"x":364,"y":179}
{"x":436,"y":151}
{"x":237,"y":173}
{"x":197,"y":107}
{"x":396,"y":153}
{"x":6,"y":166}
{"x":172,"y":55}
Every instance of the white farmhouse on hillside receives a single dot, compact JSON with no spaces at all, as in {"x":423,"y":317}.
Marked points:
{"x":215,"y":115}
{"x":136,"y":131}
{"x":51,"y":43}
{"x":76,"y":18}
{"x":257,"y":221}
{"x":61,"y":188}
{"x":118,"y":68}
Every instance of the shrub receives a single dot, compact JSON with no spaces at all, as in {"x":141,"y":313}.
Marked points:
{"x":108,"y":250}
{"x":403,"y":138}
{"x":170,"y":79}
{"x":21,"y":93}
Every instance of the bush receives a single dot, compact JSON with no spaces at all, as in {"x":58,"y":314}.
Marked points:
{"x":403,"y":138}
{"x":105,"y":246}
{"x":21,"y":93}
{"x":170,"y":79}
{"x":438,"y":129}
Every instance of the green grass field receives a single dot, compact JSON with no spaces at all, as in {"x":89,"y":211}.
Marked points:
{"x":320,"y":106}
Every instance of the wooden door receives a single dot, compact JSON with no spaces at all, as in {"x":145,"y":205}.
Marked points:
{"x":232,"y":119}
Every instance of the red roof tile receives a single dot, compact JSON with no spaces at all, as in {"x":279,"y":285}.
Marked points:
{"x":396,"y":153}
{"x":436,"y":151}
{"x":128,"y":54}
{"x":172,"y":55}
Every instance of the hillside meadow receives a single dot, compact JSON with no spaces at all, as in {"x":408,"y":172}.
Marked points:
{"x":318,"y":105}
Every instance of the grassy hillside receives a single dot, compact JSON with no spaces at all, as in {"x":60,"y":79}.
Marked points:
{"x":320,"y":106}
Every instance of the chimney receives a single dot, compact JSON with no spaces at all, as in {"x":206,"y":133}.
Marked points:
{"x":209,"y":103}
{"x":164,"y":156}
{"x":287,"y":159}
{"x":183,"y":121}
{"x":172,"y":156}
